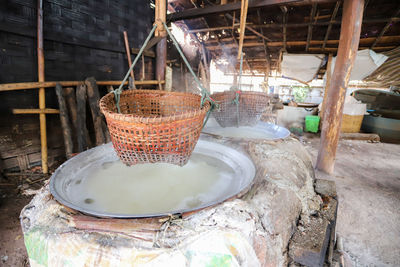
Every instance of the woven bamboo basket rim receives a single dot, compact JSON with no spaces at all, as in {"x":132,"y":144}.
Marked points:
{"x":244,"y":93}
{"x":151,"y":119}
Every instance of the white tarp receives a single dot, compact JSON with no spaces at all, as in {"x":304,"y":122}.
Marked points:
{"x":366,"y":62}
{"x":303,"y":67}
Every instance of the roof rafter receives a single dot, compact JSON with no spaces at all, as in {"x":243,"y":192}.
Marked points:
{"x":295,"y":25}
{"x":284,"y":22}
{"x":309,"y":33}
{"x":328,"y":31}
{"x":216,"y":9}
{"x":264,"y":42}
{"x":387,"y":26}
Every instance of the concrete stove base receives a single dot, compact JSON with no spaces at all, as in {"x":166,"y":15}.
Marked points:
{"x":252,"y":230}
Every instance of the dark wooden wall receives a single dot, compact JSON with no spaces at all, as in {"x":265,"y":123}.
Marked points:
{"x":82,"y":38}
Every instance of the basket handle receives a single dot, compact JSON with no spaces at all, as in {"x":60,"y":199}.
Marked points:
{"x":118,"y":91}
{"x":205,"y":95}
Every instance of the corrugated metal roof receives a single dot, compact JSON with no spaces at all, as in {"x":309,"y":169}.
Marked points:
{"x":389,"y":72}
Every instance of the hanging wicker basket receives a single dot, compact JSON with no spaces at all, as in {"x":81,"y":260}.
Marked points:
{"x":251,"y":106}
{"x":154,"y":126}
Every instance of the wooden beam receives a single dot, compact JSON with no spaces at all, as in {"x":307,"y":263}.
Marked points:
{"x":82,"y":131}
{"x":363,"y":42}
{"x":334,"y":49}
{"x":328,"y":81}
{"x":236,"y":44}
{"x":328,"y":31}
{"x":34,"y":85}
{"x":302,"y":43}
{"x":35,"y":111}
{"x":217,"y":9}
{"x":309,"y":33}
{"x":243,"y":17}
{"x":65,"y":122}
{"x":265,"y":45}
{"x":349,"y":39}
{"x":93,"y":99}
{"x":284,"y":18}
{"x":387,"y":26}
{"x":295,"y":25}
{"x":146,"y":53}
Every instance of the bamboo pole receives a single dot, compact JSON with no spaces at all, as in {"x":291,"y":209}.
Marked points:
{"x":348,"y":45}
{"x":35,"y":111}
{"x":34,"y":85}
{"x":128,"y":53}
{"x":161,"y":49}
{"x":42,"y":92}
{"x":243,"y":17}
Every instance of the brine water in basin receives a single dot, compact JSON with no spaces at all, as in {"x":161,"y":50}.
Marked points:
{"x":262,"y":130}
{"x":97,"y":183}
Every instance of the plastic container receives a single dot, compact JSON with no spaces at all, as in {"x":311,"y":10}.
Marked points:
{"x":312,"y":123}
{"x":351,"y":123}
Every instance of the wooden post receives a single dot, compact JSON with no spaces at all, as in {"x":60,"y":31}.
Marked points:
{"x":65,"y":122}
{"x":243,"y":17}
{"x":128,"y":53}
{"x":161,"y":50}
{"x":93,"y":98}
{"x":161,"y":59}
{"x":328,"y":81}
{"x":70,"y":99}
{"x":143,"y":76}
{"x":82,"y":131}
{"x":348,"y":45}
{"x":42,"y":92}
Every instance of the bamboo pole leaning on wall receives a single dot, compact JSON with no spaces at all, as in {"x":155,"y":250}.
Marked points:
{"x":128,"y":53}
{"x":42,"y":92}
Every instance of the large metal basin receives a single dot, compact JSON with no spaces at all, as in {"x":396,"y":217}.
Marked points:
{"x":81,"y":166}
{"x":261,"y":131}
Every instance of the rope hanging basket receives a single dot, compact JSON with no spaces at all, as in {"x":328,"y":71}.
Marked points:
{"x":154,"y":126}
{"x":241,"y":108}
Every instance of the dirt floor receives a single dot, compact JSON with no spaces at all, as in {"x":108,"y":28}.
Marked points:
{"x":367,"y":177}
{"x":12,"y":248}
